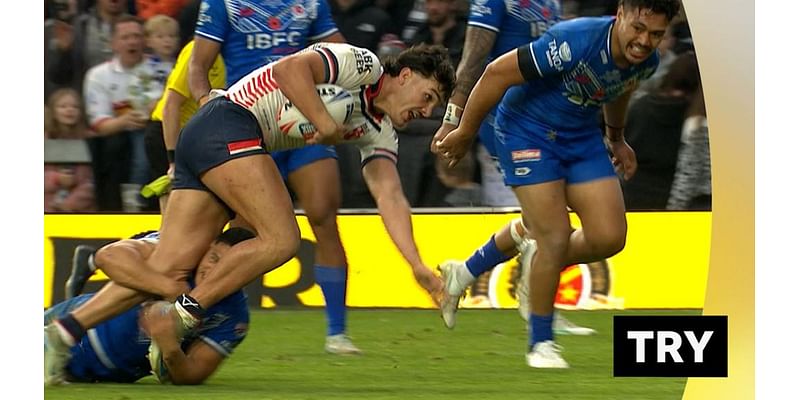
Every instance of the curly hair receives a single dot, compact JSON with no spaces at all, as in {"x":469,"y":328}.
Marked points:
{"x":430,"y":61}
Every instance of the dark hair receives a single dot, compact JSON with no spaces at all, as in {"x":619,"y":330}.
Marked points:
{"x":683,"y":74}
{"x":125,"y":19}
{"x":430,"y":61}
{"x":670,"y":8}
{"x":234,"y":235}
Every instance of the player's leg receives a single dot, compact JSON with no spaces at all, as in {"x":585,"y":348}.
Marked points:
{"x":314,"y":178}
{"x":252,"y":187}
{"x":125,"y":263}
{"x":545,"y":205}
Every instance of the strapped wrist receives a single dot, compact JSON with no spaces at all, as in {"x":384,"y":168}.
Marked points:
{"x":452,"y":115}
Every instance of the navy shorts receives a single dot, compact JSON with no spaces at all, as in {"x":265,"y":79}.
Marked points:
{"x":531,"y":153}
{"x":289,"y":161}
{"x":220,"y":131}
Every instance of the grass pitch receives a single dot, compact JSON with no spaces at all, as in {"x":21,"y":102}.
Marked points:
{"x":409,"y":354}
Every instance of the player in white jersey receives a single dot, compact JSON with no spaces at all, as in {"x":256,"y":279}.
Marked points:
{"x":355,"y":69}
{"x":222,"y":167}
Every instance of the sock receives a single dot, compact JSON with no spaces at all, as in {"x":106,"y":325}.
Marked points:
{"x":70,"y":329}
{"x":486,"y":258}
{"x":541,"y":328}
{"x":189,"y":311}
{"x":333,"y":281}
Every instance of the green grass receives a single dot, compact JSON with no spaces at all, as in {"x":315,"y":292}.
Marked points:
{"x":408,"y":355}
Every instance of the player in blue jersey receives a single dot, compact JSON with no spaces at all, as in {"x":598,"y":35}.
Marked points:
{"x":117,"y":350}
{"x":494,"y":27}
{"x":252,"y":33}
{"x":552,"y":153}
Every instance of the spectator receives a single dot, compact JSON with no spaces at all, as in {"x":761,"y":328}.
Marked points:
{"x":82,"y":44}
{"x":147,"y":9}
{"x":464,"y":192}
{"x":57,"y":14}
{"x":653,"y":130}
{"x":443,"y":27}
{"x":161,"y":34}
{"x":68,"y":179}
{"x":691,"y":188}
{"x":361,"y":23}
{"x":118,"y":104}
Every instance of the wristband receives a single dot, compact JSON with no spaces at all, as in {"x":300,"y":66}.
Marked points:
{"x":450,"y":114}
{"x":171,"y":156}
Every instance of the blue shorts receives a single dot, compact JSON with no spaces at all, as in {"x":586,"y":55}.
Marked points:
{"x":289,"y":161}
{"x":531,"y":153}
{"x":220,"y":131}
{"x":486,"y":134}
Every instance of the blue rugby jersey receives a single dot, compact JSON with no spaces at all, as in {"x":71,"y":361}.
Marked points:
{"x":516,"y":22}
{"x":116,"y":350}
{"x":571,"y":74}
{"x":256,"y":32}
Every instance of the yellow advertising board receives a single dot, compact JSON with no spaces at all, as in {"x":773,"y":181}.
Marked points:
{"x":664,"y":264}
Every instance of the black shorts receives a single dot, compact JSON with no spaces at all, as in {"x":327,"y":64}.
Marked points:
{"x":155,"y":148}
{"x":220,"y":131}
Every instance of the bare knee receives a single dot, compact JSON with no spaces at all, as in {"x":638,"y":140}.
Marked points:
{"x":607,"y":243}
{"x":553,"y":245}
{"x":281,"y":247}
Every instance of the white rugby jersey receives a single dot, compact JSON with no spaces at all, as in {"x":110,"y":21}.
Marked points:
{"x":355,"y":69}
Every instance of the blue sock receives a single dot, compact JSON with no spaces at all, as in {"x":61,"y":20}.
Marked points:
{"x":333,"y":281}
{"x":486,"y":258}
{"x":541,"y":328}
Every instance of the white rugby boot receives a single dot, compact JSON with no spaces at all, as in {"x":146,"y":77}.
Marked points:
{"x":546,"y":354}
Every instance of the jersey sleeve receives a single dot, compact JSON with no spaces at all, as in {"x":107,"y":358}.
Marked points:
{"x":348,"y":66}
{"x":323,"y":24}
{"x":487,"y":14}
{"x":551,"y":54}
{"x":384,"y":145}
{"x":226,"y":335}
{"x":178,"y":79}
{"x":98,"y":99}
{"x":212,"y":20}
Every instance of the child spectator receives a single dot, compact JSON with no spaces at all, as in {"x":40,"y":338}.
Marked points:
{"x":161,"y":35}
{"x":68,"y":181}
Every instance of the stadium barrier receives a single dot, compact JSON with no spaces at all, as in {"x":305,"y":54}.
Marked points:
{"x":664,"y":264}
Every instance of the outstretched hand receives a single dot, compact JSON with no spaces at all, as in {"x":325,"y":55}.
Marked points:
{"x":430,"y":282}
{"x":454,"y":146}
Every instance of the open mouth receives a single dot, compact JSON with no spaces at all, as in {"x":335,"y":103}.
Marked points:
{"x":638,"y":51}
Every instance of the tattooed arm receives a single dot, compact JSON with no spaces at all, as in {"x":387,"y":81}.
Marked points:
{"x":477,"y":45}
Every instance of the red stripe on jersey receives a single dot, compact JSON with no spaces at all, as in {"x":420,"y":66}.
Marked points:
{"x":270,"y":80}
{"x":243,"y":144}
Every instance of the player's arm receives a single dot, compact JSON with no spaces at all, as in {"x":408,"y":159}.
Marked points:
{"x":477,"y":44}
{"x":125,"y":263}
{"x":192,"y":367}
{"x":614,"y":114}
{"x":203,"y":55}
{"x":499,"y":75}
{"x":383,"y":181}
{"x":297,"y":76}
{"x":171,"y":122}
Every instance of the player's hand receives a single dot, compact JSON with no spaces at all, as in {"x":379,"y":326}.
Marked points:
{"x":159,"y":320}
{"x":330,"y":134}
{"x":440,"y":134}
{"x":624,"y":158}
{"x":454,"y":146}
{"x":430,"y":282}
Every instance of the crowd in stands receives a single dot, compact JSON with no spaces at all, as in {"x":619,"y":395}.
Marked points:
{"x":101,"y":86}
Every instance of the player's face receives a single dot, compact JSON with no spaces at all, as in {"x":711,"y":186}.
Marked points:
{"x":639,"y":32}
{"x":128,"y":42}
{"x":67,"y":110}
{"x":210,"y":260}
{"x":417,"y":97}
